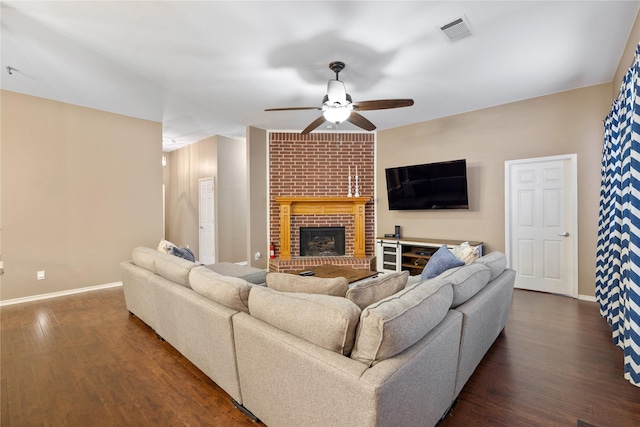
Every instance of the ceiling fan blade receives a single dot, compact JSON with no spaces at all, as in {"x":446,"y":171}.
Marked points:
{"x":317,"y":122}
{"x":360,"y":121}
{"x":293,"y":108}
{"x":382,"y":104}
{"x":336,"y":92}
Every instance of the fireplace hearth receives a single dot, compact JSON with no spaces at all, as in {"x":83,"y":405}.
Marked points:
{"x":322,"y":241}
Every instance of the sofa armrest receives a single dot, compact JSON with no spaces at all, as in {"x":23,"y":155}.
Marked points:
{"x":138,"y":292}
{"x":484,"y":317}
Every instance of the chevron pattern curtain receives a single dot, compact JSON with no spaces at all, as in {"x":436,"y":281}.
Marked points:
{"x":618,"y":251}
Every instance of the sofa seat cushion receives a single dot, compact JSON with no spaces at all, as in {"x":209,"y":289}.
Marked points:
{"x":231,"y":292}
{"x":496,"y":261}
{"x":440,"y":261}
{"x":284,"y":282}
{"x":250,"y":274}
{"x":326,"y":321}
{"x":368,"y":291}
{"x":394,"y":324}
{"x":466,"y":281}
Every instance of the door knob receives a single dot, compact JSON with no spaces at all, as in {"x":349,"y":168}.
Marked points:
{"x":565,"y":234}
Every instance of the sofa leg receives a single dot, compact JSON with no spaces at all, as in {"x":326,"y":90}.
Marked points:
{"x":245,"y":411}
{"x":449,"y":410}
{"x":131,"y":314}
{"x":158,"y":336}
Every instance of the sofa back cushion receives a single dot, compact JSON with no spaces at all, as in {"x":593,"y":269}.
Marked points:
{"x":173,"y":268}
{"x":229,"y":291}
{"x":368,"y":291}
{"x":496,"y":261}
{"x":168,"y":266}
{"x":466,"y":281}
{"x":284,"y":282}
{"x":145,"y":257}
{"x":327,"y":321}
{"x":394,"y":324}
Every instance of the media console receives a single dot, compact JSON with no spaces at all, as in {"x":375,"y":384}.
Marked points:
{"x":410,"y":253}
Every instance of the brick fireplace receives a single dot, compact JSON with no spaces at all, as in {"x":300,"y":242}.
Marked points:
{"x":316,"y":167}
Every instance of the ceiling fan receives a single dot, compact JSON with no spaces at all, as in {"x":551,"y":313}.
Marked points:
{"x":337,"y":105}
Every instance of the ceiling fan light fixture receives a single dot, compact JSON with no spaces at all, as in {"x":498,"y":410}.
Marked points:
{"x":337,"y":114}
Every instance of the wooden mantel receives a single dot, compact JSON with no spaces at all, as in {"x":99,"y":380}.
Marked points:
{"x":322,"y":206}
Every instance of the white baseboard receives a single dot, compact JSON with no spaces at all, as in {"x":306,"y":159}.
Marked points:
{"x":587,"y":298}
{"x":59,"y":294}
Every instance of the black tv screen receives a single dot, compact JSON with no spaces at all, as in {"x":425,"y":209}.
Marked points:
{"x":440,"y":185}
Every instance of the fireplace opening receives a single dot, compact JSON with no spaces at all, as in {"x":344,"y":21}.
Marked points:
{"x":322,"y":241}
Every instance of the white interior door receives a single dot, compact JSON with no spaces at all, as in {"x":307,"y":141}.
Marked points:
{"x":541,"y":223}
{"x":206,"y":219}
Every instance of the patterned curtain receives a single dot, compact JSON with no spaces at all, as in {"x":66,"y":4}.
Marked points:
{"x":618,"y":251}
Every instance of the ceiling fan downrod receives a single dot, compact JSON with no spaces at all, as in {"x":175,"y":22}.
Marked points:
{"x":336,"y":67}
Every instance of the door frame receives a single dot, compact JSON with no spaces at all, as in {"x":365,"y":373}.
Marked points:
{"x":573,"y":161}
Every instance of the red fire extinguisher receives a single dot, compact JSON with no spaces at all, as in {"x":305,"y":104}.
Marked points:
{"x":272,"y":251}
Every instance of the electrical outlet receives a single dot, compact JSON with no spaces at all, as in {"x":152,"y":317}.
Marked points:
{"x":258,"y":255}
{"x":41,"y":275}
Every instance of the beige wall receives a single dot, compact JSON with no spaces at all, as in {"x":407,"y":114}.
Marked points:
{"x":563,"y":123}
{"x":257,"y":220}
{"x":232,"y":200}
{"x":186,"y":166}
{"x":224,"y":159}
{"x":80,"y":189}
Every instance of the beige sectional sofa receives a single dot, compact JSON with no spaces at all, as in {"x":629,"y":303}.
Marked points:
{"x":384,"y":354}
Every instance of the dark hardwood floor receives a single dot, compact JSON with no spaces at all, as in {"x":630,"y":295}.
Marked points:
{"x":81,"y":360}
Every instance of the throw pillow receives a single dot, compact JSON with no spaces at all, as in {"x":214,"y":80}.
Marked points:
{"x":465,"y":252}
{"x":284,"y":282}
{"x":326,"y":321}
{"x":440,"y":261}
{"x":365,"y":292}
{"x":394,"y":324}
{"x":165,"y":246}
{"x":185,"y":253}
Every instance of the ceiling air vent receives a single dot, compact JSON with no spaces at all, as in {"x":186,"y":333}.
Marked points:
{"x":456,"y":30}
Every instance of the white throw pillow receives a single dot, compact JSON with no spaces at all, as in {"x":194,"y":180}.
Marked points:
{"x":165,"y":246}
{"x":468,"y":254}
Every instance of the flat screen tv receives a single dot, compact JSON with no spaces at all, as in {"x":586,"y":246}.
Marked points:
{"x":440,"y":185}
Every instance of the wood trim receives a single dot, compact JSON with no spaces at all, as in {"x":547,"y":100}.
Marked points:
{"x":322,"y":206}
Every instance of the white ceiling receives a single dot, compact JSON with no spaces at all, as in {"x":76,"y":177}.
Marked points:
{"x":212,"y":67}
